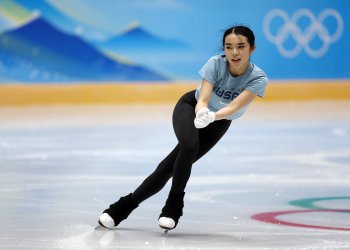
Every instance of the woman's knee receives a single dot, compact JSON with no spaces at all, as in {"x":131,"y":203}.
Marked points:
{"x":164,"y":171}
{"x":190,"y":146}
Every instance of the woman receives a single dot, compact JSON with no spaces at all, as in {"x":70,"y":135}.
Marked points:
{"x":200,"y":118}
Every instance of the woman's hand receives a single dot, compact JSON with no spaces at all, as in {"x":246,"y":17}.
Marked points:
{"x":203,"y":118}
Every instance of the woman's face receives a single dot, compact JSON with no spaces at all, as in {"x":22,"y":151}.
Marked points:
{"x":237,"y":52}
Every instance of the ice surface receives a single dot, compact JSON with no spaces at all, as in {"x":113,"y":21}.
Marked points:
{"x":60,"y":167}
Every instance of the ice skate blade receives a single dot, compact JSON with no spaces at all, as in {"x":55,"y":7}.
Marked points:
{"x":165,"y":232}
{"x":166,"y":228}
{"x":99,"y":227}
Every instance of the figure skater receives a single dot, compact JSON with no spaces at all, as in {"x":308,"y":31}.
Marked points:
{"x":230,"y":82}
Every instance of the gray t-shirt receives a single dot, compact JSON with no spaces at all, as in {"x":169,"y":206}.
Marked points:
{"x":227,"y":87}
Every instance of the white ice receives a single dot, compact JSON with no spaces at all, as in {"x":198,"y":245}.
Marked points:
{"x":61,"y":166}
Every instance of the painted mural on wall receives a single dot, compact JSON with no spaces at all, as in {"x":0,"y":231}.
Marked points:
{"x":160,"y":40}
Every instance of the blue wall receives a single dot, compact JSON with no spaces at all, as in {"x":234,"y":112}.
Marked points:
{"x":107,"y":40}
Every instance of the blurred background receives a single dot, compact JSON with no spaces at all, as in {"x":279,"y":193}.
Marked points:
{"x":107,"y":51}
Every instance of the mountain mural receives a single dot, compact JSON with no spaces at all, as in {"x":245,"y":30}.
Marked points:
{"x":56,"y":17}
{"x":137,"y":38}
{"x":172,"y":57}
{"x":39,"y":52}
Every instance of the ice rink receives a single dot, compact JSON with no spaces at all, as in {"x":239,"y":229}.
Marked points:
{"x":279,"y":179}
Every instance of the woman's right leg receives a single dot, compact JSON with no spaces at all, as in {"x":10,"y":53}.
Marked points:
{"x":178,"y":163}
{"x":121,"y":209}
{"x":157,"y":180}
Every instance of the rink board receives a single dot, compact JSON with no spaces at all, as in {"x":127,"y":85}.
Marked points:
{"x":119,"y":93}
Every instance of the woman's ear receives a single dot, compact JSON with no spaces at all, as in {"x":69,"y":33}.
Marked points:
{"x":252,"y":49}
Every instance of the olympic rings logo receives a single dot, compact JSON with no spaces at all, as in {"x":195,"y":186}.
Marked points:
{"x":271,"y":217}
{"x":303,"y":39}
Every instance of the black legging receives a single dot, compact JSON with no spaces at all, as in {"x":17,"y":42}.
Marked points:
{"x":193,"y":144}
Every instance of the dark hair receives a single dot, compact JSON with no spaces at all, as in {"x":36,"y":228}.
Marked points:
{"x":240,"y":30}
